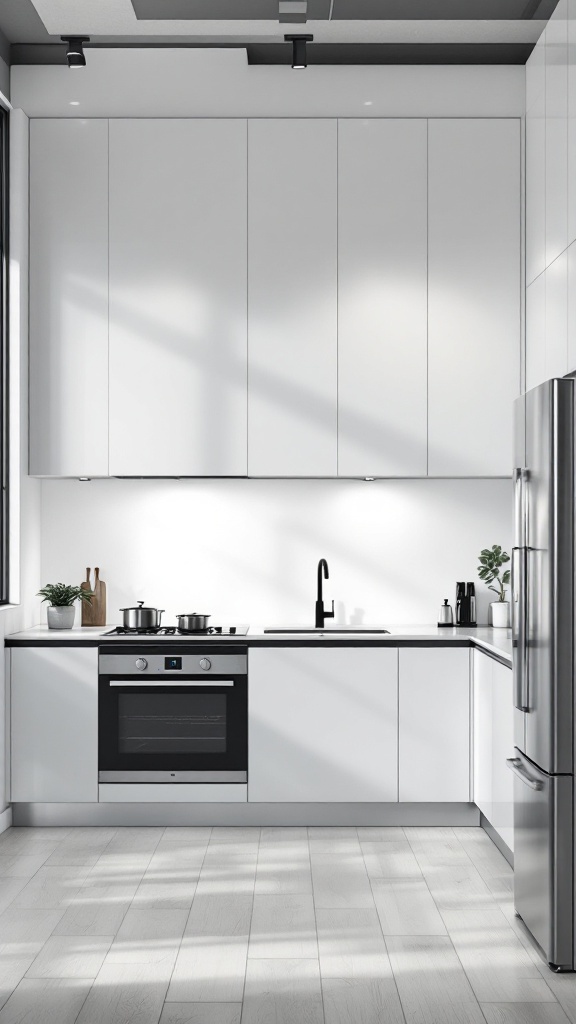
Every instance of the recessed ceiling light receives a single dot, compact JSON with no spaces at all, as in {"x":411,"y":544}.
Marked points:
{"x":75,"y":50}
{"x":299,"y":56}
{"x":367,"y":103}
{"x":74,"y":103}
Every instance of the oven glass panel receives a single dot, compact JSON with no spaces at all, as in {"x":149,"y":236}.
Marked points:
{"x":172,"y":723}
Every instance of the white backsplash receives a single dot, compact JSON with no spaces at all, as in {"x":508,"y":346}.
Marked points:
{"x":247,"y":550}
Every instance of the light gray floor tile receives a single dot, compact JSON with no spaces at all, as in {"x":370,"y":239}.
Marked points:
{"x":46,"y":1002}
{"x":498,"y":967}
{"x":234,"y":835}
{"x":283,"y":868}
{"x":381,"y":834}
{"x":332,"y":832}
{"x":524,"y":1013}
{"x":351,"y":944}
{"x":211,"y":963}
{"x":361,"y":1001}
{"x":51,"y":887}
{"x":405,"y":907}
{"x":148,"y":936}
{"x":186,"y":833}
{"x":19,"y":865}
{"x":228,"y":869}
{"x":345,"y":845}
{"x":13,"y":967}
{"x":458,"y":886}
{"x":283,"y":927}
{"x":70,"y":956}
{"x":168,"y":893}
{"x":431,"y":981}
{"x":390,"y":859}
{"x":282,"y":991}
{"x":441,"y":852}
{"x":284,"y":834}
{"x":92,"y":918}
{"x":563,"y":987}
{"x":340,"y":881}
{"x":126,"y":994}
{"x":10,"y":888}
{"x":26,"y":930}
{"x":201,"y":1013}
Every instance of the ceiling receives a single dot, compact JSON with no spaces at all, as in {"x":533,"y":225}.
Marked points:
{"x":345,"y":31}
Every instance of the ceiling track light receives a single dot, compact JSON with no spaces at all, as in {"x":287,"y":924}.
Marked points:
{"x":75,"y":51}
{"x":299,"y":57}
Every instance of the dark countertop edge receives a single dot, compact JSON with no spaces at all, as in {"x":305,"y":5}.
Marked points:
{"x":469,"y":642}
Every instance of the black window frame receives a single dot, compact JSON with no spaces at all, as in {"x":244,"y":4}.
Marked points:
{"x":4,"y":360}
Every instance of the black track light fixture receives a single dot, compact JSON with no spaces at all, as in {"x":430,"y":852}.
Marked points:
{"x":75,"y":51}
{"x":299,"y":58}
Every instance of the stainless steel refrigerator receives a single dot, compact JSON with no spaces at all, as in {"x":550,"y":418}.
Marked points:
{"x":543,"y":630}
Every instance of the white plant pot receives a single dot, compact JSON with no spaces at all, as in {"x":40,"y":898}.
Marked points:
{"x":500,"y":614}
{"x":61,"y":617}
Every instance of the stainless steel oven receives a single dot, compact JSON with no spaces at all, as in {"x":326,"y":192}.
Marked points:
{"x":173,"y":712}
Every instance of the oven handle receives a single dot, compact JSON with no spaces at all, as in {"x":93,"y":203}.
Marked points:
{"x":171,"y":682}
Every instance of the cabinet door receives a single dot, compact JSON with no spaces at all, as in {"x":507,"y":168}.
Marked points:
{"x":556,"y":141}
{"x":536,"y":163}
{"x":556,"y":334}
{"x":483,"y":739}
{"x":502,"y":747}
{"x":323,"y":724}
{"x":69,"y":297}
{"x":474,"y":294}
{"x":434,"y":724}
{"x":382,"y":297}
{"x":292,"y":298}
{"x":54,"y":724}
{"x":178,"y":297}
{"x":536,"y":332}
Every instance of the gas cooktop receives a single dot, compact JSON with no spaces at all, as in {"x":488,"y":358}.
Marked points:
{"x":175,"y":633}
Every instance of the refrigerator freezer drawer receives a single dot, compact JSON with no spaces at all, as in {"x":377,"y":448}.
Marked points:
{"x":543,"y":857}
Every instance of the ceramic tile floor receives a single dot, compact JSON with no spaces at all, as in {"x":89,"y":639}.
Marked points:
{"x":266,"y":926}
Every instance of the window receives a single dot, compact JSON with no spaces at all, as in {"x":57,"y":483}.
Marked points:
{"x":4,"y":395}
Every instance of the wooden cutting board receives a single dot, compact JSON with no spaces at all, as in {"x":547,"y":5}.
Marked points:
{"x":87,"y":606}
{"x":99,"y":600}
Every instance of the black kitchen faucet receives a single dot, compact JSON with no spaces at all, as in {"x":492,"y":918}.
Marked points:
{"x":321,"y":612}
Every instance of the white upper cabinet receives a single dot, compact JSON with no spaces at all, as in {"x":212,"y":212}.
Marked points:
{"x":556,"y":177}
{"x":178,"y":228}
{"x":536,"y":332}
{"x":382,"y":297}
{"x":292,"y":298}
{"x":434,"y":724}
{"x":69,"y":297}
{"x":474,"y":294}
{"x":536,"y":162}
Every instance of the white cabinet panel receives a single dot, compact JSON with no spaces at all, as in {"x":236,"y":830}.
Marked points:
{"x":536,"y":332}
{"x":571,"y":357}
{"x":323,"y":724}
{"x":557,"y":132}
{"x":571,"y":121}
{"x":54,"y":724}
{"x":69,"y":297}
{"x":536,"y":188}
{"x":557,"y":317}
{"x":382,"y":297}
{"x":474,"y":294}
{"x":292,"y":297}
{"x":502,"y":747}
{"x":483,"y":739}
{"x":434,"y":724}
{"x":178,"y":360}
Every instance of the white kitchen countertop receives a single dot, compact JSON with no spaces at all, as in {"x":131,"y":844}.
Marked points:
{"x":495,"y":641}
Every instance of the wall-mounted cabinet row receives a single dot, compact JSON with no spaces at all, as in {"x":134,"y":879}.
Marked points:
{"x":287,"y":297}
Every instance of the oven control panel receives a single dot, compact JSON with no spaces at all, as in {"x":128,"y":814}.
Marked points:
{"x":195,"y":664}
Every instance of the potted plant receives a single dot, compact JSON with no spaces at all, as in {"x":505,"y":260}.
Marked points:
{"x":61,"y":598}
{"x":490,"y":572}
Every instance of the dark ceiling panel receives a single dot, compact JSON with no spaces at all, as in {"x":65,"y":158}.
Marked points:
{"x":441,"y":10}
{"x":396,"y":53}
{"x":217,"y":10}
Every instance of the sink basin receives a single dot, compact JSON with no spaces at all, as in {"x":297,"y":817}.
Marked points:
{"x":326,"y":629}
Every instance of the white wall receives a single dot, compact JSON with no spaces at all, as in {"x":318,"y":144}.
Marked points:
{"x":247,"y":550}
{"x":551,"y":200}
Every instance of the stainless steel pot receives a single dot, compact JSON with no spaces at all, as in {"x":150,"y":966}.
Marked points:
{"x":141,"y":617}
{"x":192,"y":622}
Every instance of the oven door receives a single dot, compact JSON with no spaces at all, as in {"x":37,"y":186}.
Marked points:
{"x":172,"y":729}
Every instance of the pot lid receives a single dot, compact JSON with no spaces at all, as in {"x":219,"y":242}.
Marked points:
{"x":140,"y":607}
{"x":189,"y":615}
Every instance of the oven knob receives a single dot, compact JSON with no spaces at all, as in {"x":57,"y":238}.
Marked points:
{"x":141,"y":664}
{"x":205,"y":664}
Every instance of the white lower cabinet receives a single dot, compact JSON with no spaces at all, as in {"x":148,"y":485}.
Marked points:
{"x":54,"y":724}
{"x":323,"y":724}
{"x":493,"y":743}
{"x":434,"y":724}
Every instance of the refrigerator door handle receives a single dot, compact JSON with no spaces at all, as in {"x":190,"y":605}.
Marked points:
{"x":519,"y":667}
{"x":515,"y":765}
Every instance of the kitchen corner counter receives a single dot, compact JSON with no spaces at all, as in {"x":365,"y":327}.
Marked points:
{"x":495,"y":642}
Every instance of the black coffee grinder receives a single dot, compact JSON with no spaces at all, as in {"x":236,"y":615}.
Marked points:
{"x":465,"y":604}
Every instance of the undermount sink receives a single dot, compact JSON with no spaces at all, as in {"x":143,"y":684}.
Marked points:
{"x":326,"y":629}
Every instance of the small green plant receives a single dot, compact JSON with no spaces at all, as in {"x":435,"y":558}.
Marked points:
{"x":61,"y":595}
{"x":491,"y":561}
